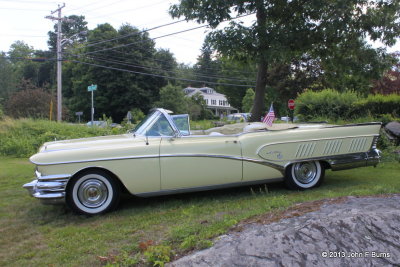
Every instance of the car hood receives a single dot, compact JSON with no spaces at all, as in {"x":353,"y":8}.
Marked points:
{"x":89,"y":149}
{"x":83,"y":143}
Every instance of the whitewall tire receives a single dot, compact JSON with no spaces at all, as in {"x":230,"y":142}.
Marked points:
{"x":92,"y":193}
{"x":304,"y":175}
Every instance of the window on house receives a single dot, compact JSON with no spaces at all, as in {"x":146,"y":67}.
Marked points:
{"x":213,"y":102}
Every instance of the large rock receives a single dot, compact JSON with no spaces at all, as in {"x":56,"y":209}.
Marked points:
{"x":357,"y":232}
{"x":394,"y":128}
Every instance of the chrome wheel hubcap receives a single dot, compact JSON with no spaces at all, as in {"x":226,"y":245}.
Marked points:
{"x":92,"y":193}
{"x":305,"y":172}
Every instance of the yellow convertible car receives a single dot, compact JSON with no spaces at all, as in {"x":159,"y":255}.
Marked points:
{"x":163,"y":156}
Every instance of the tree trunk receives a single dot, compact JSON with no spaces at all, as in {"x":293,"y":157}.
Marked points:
{"x":258,"y":104}
{"x":261,"y":82}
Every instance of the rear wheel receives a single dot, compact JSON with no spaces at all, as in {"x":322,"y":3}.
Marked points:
{"x":304,"y":175}
{"x":92,"y":193}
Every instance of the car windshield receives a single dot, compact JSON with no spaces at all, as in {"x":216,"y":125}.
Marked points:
{"x":160,"y":123}
{"x":140,"y":127}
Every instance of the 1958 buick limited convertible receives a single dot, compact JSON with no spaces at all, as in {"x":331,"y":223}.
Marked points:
{"x":162,"y":156}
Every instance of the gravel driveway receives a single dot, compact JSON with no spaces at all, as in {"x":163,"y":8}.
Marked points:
{"x":348,"y":231}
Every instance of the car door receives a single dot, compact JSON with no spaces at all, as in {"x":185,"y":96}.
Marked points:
{"x":199,"y":161}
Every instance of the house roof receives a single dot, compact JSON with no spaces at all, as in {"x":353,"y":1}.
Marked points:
{"x":202,"y":90}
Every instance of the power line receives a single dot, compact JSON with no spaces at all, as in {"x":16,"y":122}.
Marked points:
{"x":130,"y":34}
{"x":29,"y":1}
{"x":127,"y":10}
{"x":23,"y":9}
{"x":36,"y":59}
{"x":158,"y":75}
{"x":124,"y":54}
{"x":170,"y":34}
{"x":21,"y":35}
{"x":125,"y":45}
{"x":107,"y":5}
{"x":160,"y":69}
{"x":129,"y":44}
{"x":90,"y":4}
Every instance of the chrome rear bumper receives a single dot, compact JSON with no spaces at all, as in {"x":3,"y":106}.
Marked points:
{"x":50,"y":189}
{"x":370,"y":158}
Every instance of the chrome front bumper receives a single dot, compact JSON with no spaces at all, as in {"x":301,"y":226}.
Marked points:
{"x":50,"y":189}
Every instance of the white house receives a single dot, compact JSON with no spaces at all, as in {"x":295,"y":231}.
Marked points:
{"x":215,"y":101}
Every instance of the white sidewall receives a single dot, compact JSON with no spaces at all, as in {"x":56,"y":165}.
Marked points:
{"x":82,"y":207}
{"x":314,"y":182}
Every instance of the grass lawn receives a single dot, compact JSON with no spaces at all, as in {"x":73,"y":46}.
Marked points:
{"x":147,"y":230}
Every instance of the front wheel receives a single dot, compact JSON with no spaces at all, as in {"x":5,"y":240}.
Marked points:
{"x":304,"y":175}
{"x":93,"y":193}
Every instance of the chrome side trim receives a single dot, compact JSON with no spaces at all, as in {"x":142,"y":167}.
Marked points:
{"x":94,"y":160}
{"x":200,"y":156}
{"x":142,"y":157}
{"x":206,"y":188}
{"x":266,"y":163}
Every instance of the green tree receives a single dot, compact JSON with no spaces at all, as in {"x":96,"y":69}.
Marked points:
{"x":287,"y":29}
{"x":118,"y":91}
{"x":234,"y":71}
{"x":206,"y":68}
{"x":173,"y":98}
{"x":33,"y":65}
{"x":20,"y":54}
{"x":20,"y":49}
{"x":351,"y":65}
{"x":248,"y":99}
{"x":75,"y":26}
{"x":197,"y":108}
{"x":8,"y":79}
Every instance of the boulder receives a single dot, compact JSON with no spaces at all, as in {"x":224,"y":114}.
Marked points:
{"x":358,"y":232}
{"x":393,"y":128}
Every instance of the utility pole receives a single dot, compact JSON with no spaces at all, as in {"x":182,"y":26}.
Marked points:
{"x":59,"y":58}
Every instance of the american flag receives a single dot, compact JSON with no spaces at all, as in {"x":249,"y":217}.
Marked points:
{"x":269,"y":117}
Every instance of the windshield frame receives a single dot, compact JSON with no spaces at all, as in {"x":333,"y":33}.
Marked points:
{"x":151,"y":119}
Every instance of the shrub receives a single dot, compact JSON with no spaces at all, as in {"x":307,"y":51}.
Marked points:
{"x":32,"y":103}
{"x":326,"y":103}
{"x":379,"y":104}
{"x":332,"y":105}
{"x":23,"y":137}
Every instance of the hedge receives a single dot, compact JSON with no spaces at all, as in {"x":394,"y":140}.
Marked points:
{"x":335,"y":105}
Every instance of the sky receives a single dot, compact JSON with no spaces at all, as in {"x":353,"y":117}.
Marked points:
{"x":25,"y":20}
